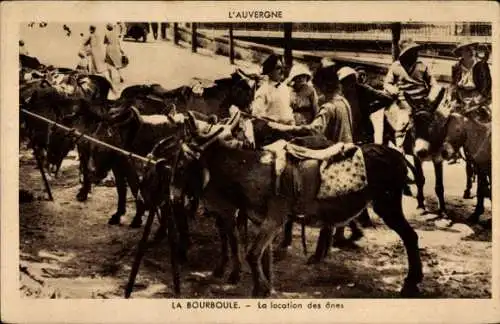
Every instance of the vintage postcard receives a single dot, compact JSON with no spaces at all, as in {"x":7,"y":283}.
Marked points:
{"x":288,"y":161}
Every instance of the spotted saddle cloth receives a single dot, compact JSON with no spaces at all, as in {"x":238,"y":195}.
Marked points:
{"x":341,"y":168}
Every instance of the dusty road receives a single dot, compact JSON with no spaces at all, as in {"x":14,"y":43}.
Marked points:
{"x":67,"y":250}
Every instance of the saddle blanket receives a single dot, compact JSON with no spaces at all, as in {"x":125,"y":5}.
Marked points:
{"x":342,"y":177}
{"x":338,"y":175}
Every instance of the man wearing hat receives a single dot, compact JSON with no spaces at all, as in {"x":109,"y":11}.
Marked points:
{"x":272,"y":99}
{"x":409,"y":77}
{"x":364,"y":101}
{"x":471,"y":79}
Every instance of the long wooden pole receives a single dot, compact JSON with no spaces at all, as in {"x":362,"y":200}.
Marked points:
{"x":78,"y":134}
{"x":194,"y":44}
{"x":287,"y":45}
{"x":141,"y":249}
{"x":396,"y":36}
{"x":231,"y":44}
{"x":176,"y":33}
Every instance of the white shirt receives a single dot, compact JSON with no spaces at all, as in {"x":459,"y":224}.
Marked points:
{"x":272,"y":101}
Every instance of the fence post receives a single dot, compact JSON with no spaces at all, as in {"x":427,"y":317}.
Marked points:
{"x":396,"y":36}
{"x":287,"y":44}
{"x":231,"y":44}
{"x":176,"y":33}
{"x":193,"y":37}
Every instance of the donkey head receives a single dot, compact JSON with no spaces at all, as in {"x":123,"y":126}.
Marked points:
{"x":428,"y":120}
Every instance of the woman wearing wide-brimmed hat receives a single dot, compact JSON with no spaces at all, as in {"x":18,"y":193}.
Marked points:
{"x":272,"y":98}
{"x":471,"y":78}
{"x":303,"y":96}
{"x":408,"y":77}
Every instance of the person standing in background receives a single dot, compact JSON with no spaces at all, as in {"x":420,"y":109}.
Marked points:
{"x":154,"y":27}
{"x":95,"y":50}
{"x":114,"y":53}
{"x":22,"y":48}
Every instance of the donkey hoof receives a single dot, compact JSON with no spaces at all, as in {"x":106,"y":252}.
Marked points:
{"x":136,"y":223}
{"x":234,"y":278}
{"x":410,"y":291}
{"x":82,"y":196}
{"x":467,"y":195}
{"x":114,"y":220}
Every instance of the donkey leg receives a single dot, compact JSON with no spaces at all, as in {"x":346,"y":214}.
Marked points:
{"x":481,"y":192}
{"x":287,"y":234}
{"x":439,"y":187}
{"x":469,"y":173}
{"x":268,"y":230}
{"x":420,"y":182}
{"x":121,"y":188}
{"x":389,"y":208}
{"x":84,"y":157}
{"x":224,"y":258}
{"x":322,"y":246}
{"x":233,"y":235}
{"x":133,"y":182}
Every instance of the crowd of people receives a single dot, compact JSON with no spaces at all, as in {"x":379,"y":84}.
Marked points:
{"x":108,"y":61}
{"x":342,"y":111}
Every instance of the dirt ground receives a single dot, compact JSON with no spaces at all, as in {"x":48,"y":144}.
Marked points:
{"x":67,"y":250}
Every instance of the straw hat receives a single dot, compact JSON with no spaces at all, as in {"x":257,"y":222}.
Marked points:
{"x":346,"y":71}
{"x":466,"y":43}
{"x":407,"y":45}
{"x":297,"y":70}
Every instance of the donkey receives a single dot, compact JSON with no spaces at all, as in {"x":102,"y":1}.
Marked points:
{"x":418,"y":144}
{"x":43,"y":97}
{"x":152,"y":99}
{"x":463,"y":130}
{"x":246,"y":179}
{"x":126,"y":130}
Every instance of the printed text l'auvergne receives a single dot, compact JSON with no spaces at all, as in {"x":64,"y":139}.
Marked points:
{"x":256,"y":14}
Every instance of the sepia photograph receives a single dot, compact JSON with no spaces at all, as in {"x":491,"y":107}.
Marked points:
{"x":254,"y":158}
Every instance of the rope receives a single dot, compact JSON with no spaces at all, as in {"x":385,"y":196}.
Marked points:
{"x":73,"y":132}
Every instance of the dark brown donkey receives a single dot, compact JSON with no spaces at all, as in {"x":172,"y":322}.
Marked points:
{"x":245,"y":179}
{"x":475,"y":137}
{"x":128,"y":126}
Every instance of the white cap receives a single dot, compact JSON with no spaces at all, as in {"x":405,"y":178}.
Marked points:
{"x":345,"y":72}
{"x":299,"y":69}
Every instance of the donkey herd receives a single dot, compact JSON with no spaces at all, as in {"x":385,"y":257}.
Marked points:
{"x":207,"y":153}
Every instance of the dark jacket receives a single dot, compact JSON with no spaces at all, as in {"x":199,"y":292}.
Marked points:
{"x":481,"y":75}
{"x":365,"y":101}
